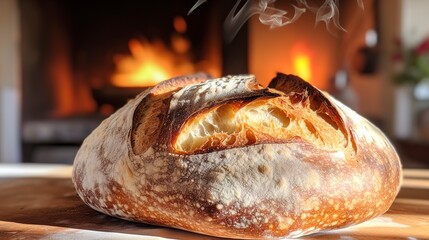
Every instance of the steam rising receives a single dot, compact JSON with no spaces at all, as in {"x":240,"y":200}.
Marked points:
{"x":275,"y":17}
{"x":196,"y":5}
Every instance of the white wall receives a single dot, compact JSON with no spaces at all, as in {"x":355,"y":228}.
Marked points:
{"x":9,"y":82}
{"x":415,"y":19}
{"x":390,"y":21}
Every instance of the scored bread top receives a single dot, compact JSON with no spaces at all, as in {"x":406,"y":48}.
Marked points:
{"x":230,"y":158}
{"x":237,"y":114}
{"x":152,"y":109}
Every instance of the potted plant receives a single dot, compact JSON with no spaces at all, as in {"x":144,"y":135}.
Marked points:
{"x":411,"y":67}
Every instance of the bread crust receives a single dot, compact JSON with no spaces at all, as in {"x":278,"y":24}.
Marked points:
{"x":280,"y":185}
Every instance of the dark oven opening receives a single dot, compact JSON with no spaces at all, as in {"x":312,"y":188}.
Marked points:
{"x":82,"y":60}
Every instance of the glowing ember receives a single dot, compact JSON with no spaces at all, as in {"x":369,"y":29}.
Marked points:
{"x":179,"y":24}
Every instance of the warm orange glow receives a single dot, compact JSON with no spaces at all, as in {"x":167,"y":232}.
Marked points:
{"x":180,"y":44}
{"x":149,"y":64}
{"x":302,"y":66}
{"x":152,"y":62}
{"x":302,"y":59}
{"x":179,"y":24}
{"x":72,"y":96}
{"x":300,"y":44}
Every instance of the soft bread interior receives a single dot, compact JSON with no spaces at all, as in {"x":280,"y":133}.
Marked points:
{"x":264,"y":120}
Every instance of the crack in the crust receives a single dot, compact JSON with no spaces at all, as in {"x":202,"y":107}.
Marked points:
{"x":269,"y":120}
{"x":147,"y":121}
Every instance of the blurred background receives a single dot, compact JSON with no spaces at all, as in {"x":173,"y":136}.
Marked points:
{"x":65,"y":65}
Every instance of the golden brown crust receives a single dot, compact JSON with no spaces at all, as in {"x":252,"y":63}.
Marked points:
{"x":153,"y":109}
{"x":229,"y":158}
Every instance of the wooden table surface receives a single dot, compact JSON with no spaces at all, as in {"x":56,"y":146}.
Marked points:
{"x":39,"y":201}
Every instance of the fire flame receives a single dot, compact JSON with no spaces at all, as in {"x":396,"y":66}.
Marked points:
{"x":302,"y":61}
{"x":152,"y":62}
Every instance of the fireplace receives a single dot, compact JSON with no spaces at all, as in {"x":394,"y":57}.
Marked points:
{"x":82,"y":60}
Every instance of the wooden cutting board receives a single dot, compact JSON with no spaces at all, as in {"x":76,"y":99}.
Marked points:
{"x":44,"y":205}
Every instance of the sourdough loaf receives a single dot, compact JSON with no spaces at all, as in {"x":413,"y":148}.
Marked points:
{"x":228,"y":157}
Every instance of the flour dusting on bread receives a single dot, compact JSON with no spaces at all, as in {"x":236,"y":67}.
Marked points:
{"x":230,"y":158}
